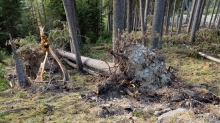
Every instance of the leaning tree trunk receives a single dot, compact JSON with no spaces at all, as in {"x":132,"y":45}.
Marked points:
{"x":69,"y":7}
{"x":195,"y":21}
{"x":181,"y":17}
{"x":168,"y":15}
{"x":129,"y":15}
{"x":142,"y":22}
{"x":210,"y":23}
{"x":22,"y":78}
{"x":191,"y":18}
{"x":157,"y":23}
{"x":206,"y":13}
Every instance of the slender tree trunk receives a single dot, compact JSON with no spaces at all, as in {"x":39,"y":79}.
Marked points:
{"x":174,"y":8}
{"x":142,"y":22}
{"x":75,"y":17}
{"x":200,"y":13}
{"x":146,"y":12}
{"x":152,"y":11}
{"x":157,"y":23}
{"x":169,"y":8}
{"x":206,"y":14}
{"x":188,"y":10}
{"x":129,"y":15}
{"x":181,"y":17}
{"x":69,"y":15}
{"x":38,"y":11}
{"x":210,"y":23}
{"x":217,"y":11}
{"x":218,"y":24}
{"x":178,"y":17}
{"x":22,"y":78}
{"x":195,"y":21}
{"x":191,"y":19}
{"x":44,"y":11}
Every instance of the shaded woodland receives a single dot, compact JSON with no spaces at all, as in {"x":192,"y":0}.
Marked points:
{"x":109,"y":61}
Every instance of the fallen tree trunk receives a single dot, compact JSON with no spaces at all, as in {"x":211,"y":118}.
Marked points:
{"x":209,"y":57}
{"x":87,"y":70}
{"x":93,"y":63}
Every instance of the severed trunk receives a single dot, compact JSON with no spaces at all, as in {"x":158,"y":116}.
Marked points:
{"x":22,"y":77}
{"x":93,"y":63}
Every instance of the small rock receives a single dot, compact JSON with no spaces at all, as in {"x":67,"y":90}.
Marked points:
{"x":172,"y":113}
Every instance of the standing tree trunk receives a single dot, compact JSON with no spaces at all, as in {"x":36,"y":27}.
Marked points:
{"x":195,"y":21}
{"x":69,"y":7}
{"x":188,"y":10}
{"x":118,"y":20}
{"x":174,"y":8}
{"x":142,"y":22}
{"x":191,"y":19}
{"x":146,"y":12}
{"x":206,"y":13}
{"x":217,"y":11}
{"x":200,"y":13}
{"x":178,"y":17}
{"x":157,"y":23}
{"x":129,"y":15}
{"x":75,"y":17}
{"x":168,"y":15}
{"x":181,"y":17}
{"x":210,"y":23}
{"x":218,"y":24}
{"x":22,"y":78}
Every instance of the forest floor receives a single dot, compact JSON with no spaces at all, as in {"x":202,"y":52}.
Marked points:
{"x":82,"y":105}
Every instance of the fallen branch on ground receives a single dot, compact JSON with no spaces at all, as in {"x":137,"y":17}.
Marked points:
{"x":209,"y":57}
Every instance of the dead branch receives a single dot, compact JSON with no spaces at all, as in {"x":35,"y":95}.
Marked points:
{"x":209,"y":57}
{"x":17,"y":109}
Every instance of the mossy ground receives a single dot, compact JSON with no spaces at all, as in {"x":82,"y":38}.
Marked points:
{"x":70,"y":107}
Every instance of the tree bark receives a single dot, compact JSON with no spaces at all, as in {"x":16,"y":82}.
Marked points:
{"x":168,"y":15}
{"x":217,"y":11}
{"x":200,"y":13}
{"x":93,"y":63}
{"x":206,"y":14}
{"x":142,"y":22}
{"x":191,"y":19}
{"x":210,"y":23}
{"x":173,"y":17}
{"x":69,"y":15}
{"x":195,"y":21}
{"x":188,"y":10}
{"x":157,"y":23}
{"x":129,"y":15}
{"x":118,"y":20}
{"x":181,"y":17}
{"x":146,"y":11}
{"x":22,"y":77}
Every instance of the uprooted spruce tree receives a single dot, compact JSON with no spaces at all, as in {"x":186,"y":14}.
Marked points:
{"x":141,"y":73}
